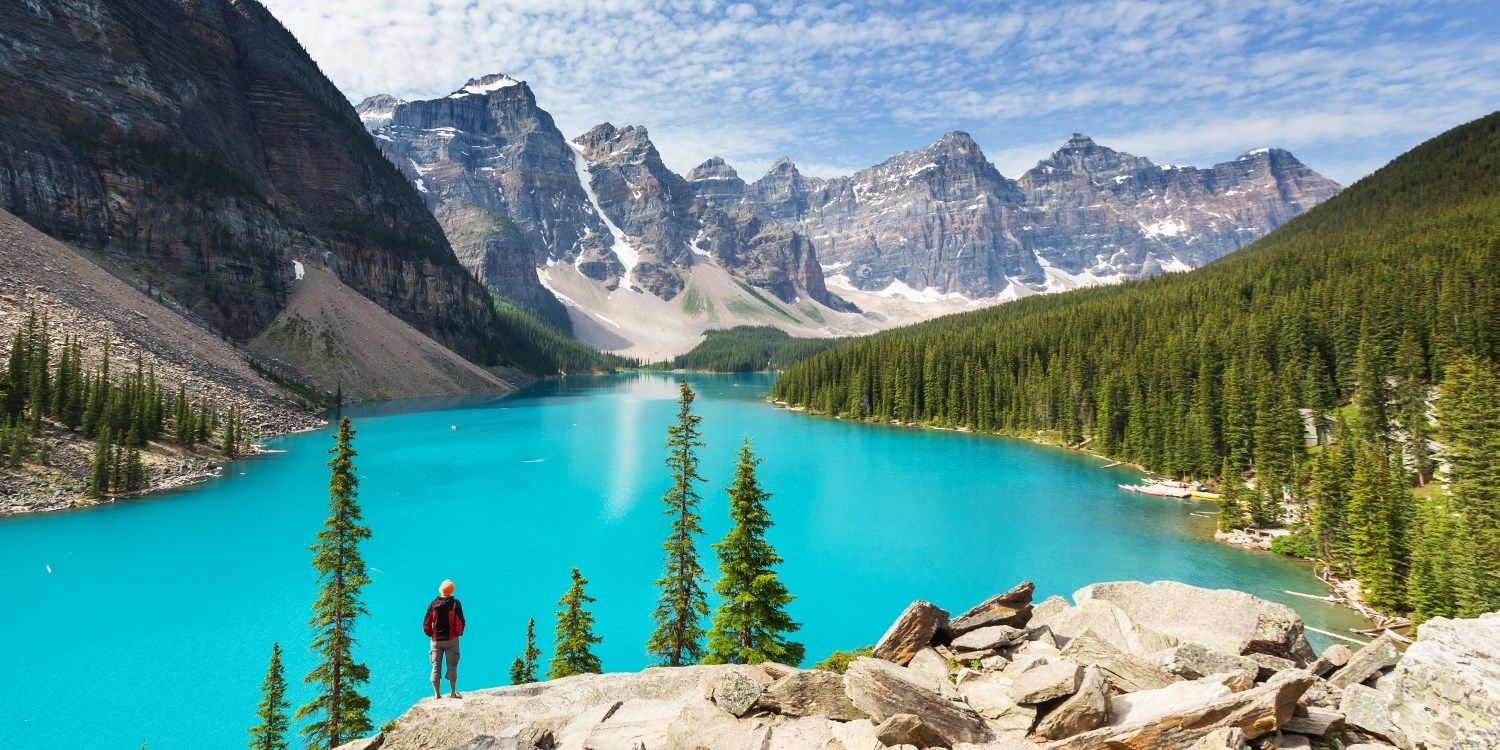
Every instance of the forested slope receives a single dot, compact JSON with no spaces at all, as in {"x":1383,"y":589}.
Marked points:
{"x":1353,"y":309}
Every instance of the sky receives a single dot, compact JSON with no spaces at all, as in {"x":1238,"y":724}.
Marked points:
{"x":1346,"y":85}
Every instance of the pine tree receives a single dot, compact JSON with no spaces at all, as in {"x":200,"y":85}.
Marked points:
{"x":1328,"y":501}
{"x":340,"y":711}
{"x":1411,"y":399}
{"x":270,"y":733}
{"x":99,"y":469}
{"x":678,"y":638}
{"x":523,"y":669}
{"x":1232,"y":511}
{"x":751,"y":623}
{"x":135,"y":472}
{"x":1469,"y":428}
{"x":575,"y":634}
{"x":1371,"y":533}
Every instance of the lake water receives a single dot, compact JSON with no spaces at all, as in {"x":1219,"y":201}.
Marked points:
{"x":157,"y":618}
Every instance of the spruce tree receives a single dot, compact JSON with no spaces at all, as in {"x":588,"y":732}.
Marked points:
{"x":1469,"y":428}
{"x":339,"y":711}
{"x":99,"y":469}
{"x":1232,"y":511}
{"x":678,"y":638}
{"x":270,"y":733}
{"x":1371,"y":534}
{"x":523,"y":669}
{"x":575,"y":634}
{"x":751,"y":622}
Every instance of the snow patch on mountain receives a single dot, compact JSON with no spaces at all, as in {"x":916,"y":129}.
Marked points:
{"x":627,"y":254}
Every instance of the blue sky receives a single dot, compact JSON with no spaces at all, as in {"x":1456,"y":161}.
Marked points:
{"x":1344,"y":84}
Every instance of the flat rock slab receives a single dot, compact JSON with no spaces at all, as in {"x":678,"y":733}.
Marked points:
{"x":1127,"y":672}
{"x":1086,"y":709}
{"x":1146,"y":705}
{"x":1105,"y":620}
{"x":1228,"y":620}
{"x":882,"y":690}
{"x":1011,"y":608}
{"x":1050,"y":681}
{"x":1447,"y":685}
{"x":1256,"y":712}
{"x":913,"y":631}
{"x":988,"y":638}
{"x":812,"y":692}
{"x":1367,"y":662}
{"x":1317,"y":722}
{"x":1193,"y":661}
{"x":991,"y":698}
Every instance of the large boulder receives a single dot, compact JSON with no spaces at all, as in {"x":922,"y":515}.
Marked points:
{"x":1229,"y":620}
{"x":911,"y":632}
{"x":1085,"y":709}
{"x":811,"y":692}
{"x":1150,"y":704}
{"x":1194,"y":661}
{"x":737,"y":692}
{"x":1372,"y":712}
{"x":1012,"y":608}
{"x":882,"y":690}
{"x":1045,"y":682}
{"x":909,"y":729}
{"x":1256,"y":712}
{"x":1446,"y":687}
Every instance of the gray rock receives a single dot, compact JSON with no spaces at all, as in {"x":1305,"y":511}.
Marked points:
{"x":928,"y":662}
{"x":1446,"y":687}
{"x":1332,"y":658}
{"x":991,"y":698}
{"x":909,"y":729}
{"x":1256,"y":712}
{"x":1193,"y":661}
{"x":990,"y":638}
{"x":911,"y":632}
{"x":1229,"y":620}
{"x":1146,"y":705}
{"x":1367,"y":662}
{"x":811,"y":692}
{"x":1086,"y":709}
{"x":737,"y":692}
{"x":1127,"y":672}
{"x":1267,"y":665}
{"x":882,"y":690}
{"x":1012,"y":608}
{"x":1106,"y":621}
{"x":1292,"y":742}
{"x":1046,"y":682}
{"x":1371,"y":711}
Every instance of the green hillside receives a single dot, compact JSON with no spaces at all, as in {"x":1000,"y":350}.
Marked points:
{"x":1353,"y":309}
{"x":748,"y":349}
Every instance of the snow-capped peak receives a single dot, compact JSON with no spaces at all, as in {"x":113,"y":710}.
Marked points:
{"x":485,"y":85}
{"x":1254,"y":152}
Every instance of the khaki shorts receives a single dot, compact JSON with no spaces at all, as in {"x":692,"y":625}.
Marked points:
{"x":436,"y":652}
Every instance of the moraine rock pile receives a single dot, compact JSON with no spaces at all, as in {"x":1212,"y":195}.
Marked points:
{"x":1125,"y":666}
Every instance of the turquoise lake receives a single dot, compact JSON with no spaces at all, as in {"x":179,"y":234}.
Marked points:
{"x":157,"y":618}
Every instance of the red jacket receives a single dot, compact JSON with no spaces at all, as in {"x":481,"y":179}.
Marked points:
{"x":444,"y":620}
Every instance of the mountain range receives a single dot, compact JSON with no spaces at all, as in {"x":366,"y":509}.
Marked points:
{"x":643,"y":259}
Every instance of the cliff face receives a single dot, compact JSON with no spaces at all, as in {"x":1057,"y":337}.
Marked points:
{"x":197,"y":142}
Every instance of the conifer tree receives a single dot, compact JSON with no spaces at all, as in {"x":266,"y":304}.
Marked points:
{"x":1371,"y":533}
{"x":99,"y":469}
{"x":339,"y":711}
{"x":1328,"y":500}
{"x":523,"y":669}
{"x":575,"y":634}
{"x":270,"y":733}
{"x":1411,"y":398}
{"x":1469,"y":428}
{"x":751,"y":622}
{"x":678,"y":637}
{"x":1232,"y":511}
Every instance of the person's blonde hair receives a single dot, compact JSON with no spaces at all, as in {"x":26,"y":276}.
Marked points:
{"x":445,"y":588}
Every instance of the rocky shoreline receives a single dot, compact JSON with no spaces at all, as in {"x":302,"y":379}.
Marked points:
{"x":1125,"y":666}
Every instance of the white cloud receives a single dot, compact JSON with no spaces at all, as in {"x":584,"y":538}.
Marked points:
{"x":834,"y":84}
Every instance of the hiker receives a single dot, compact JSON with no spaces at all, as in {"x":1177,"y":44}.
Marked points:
{"x":444,"y":623}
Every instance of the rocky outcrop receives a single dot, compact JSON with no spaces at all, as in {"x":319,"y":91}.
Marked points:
{"x":1445,"y":689}
{"x":1232,"y":621}
{"x":200,"y":147}
{"x":1028,"y":695}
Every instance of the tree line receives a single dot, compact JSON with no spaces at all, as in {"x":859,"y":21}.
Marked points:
{"x":748,"y":349}
{"x":1355,"y":312}
{"x":42,"y":387}
{"x":750,"y":624}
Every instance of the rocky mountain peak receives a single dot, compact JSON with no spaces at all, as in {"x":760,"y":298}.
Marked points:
{"x":713,"y":168}
{"x":1078,"y":142}
{"x":783,"y":167}
{"x":377,"y":110}
{"x":485,"y":85}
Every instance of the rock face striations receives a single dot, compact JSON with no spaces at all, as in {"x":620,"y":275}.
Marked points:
{"x":515,"y":197}
{"x":1226,"y":671}
{"x":200,"y":144}
{"x":926,"y":232}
